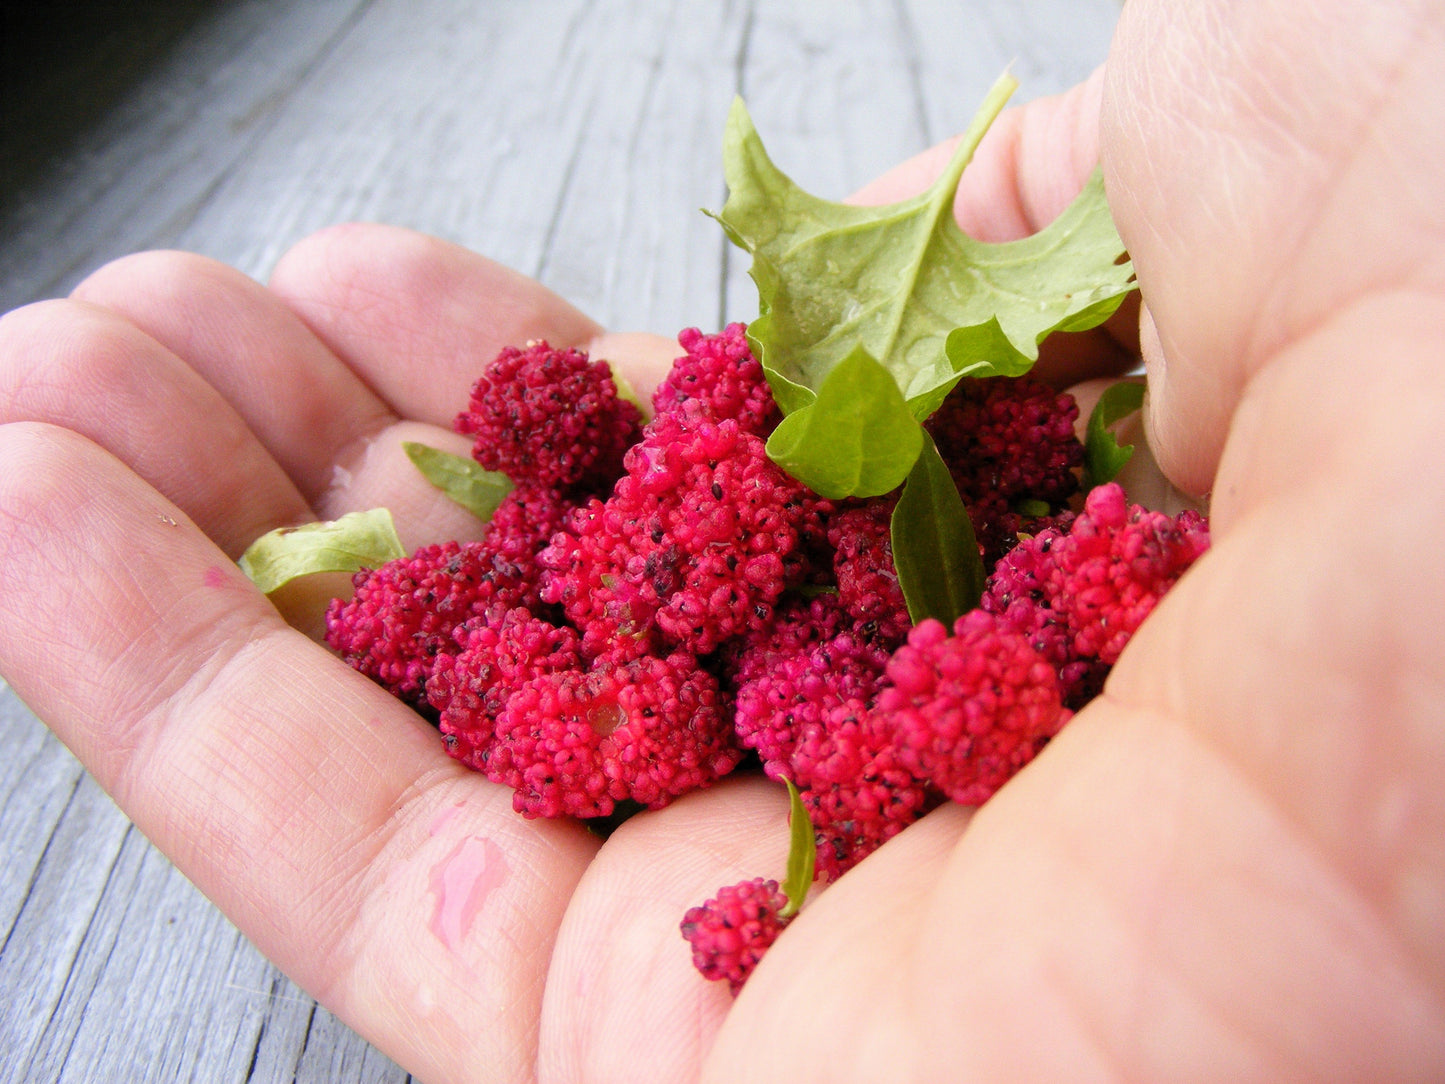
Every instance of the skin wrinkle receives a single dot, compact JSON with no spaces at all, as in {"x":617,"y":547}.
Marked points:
{"x":37,"y":387}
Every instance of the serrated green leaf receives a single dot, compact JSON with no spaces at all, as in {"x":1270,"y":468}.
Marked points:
{"x":355,"y":541}
{"x":461,"y":478}
{"x":802,"y":853}
{"x":1104,"y":456}
{"x":1070,"y":276}
{"x":903,"y":282}
{"x":934,"y":547}
{"x":856,"y":438}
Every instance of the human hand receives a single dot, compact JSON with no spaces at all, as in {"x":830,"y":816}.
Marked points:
{"x":1197,"y":862}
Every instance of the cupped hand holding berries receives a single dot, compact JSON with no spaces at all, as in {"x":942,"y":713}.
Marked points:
{"x":1228,"y":866}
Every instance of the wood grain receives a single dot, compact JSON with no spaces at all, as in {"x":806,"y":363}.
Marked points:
{"x":574,"y":140}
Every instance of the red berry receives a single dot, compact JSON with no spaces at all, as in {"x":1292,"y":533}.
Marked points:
{"x":730,"y":932}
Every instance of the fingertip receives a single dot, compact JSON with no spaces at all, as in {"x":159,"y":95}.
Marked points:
{"x":641,"y":359}
{"x":164,"y":272}
{"x":1177,"y":418}
{"x":309,"y":264}
{"x":1027,"y":168}
{"x":1031,"y":164}
{"x":416,"y":317}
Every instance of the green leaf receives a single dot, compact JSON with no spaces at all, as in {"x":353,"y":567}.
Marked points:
{"x":802,"y":853}
{"x":461,"y":478}
{"x":857,"y":437}
{"x":1104,"y":456}
{"x":903,"y":282}
{"x":355,"y":541}
{"x":934,"y":548}
{"x":1070,"y":276}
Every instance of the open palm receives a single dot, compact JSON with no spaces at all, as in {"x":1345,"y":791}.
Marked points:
{"x":1227,"y":867}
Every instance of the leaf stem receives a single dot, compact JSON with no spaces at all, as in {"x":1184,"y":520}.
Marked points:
{"x":993,"y":103}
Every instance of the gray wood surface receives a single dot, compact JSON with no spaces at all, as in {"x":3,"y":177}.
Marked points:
{"x":573,"y":140}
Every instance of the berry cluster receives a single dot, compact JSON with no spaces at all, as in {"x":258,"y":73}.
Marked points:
{"x":655,"y":604}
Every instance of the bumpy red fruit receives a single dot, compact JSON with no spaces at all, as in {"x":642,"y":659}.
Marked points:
{"x":403,"y":613}
{"x":518,"y":531}
{"x":647,"y":730}
{"x":1079,"y":595}
{"x":863,"y":566}
{"x":696,"y":544}
{"x":492,"y":656}
{"x":549,"y":417}
{"x":815,"y":657}
{"x":720,"y":373}
{"x":966,"y":711}
{"x":730,"y":933}
{"x":1007,"y":441}
{"x":857,"y":791}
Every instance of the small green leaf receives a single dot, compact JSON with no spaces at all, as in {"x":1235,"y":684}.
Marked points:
{"x":934,"y":548}
{"x":461,"y":478}
{"x":355,"y":541}
{"x":1104,"y":456}
{"x":857,"y":438}
{"x":802,"y":853}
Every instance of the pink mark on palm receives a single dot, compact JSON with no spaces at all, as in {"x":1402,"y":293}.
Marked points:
{"x":461,"y":883}
{"x":214,"y":576}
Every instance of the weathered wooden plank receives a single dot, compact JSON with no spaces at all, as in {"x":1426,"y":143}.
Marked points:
{"x":38,"y":780}
{"x":299,"y":1040}
{"x":115,"y":967}
{"x":157,"y":157}
{"x":61,"y":895}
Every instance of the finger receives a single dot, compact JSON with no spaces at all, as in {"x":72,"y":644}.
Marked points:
{"x":337,"y":440}
{"x":320,"y":814}
{"x":621,"y":935}
{"x":74,"y":365}
{"x":1130,"y":906}
{"x":1029,"y":166}
{"x":1296,"y":216}
{"x":380,"y":474}
{"x":1140,"y":476}
{"x":1326,"y":555}
{"x":415,"y":317}
{"x":641,"y":359}
{"x":306,"y":407}
{"x":89,"y":369}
